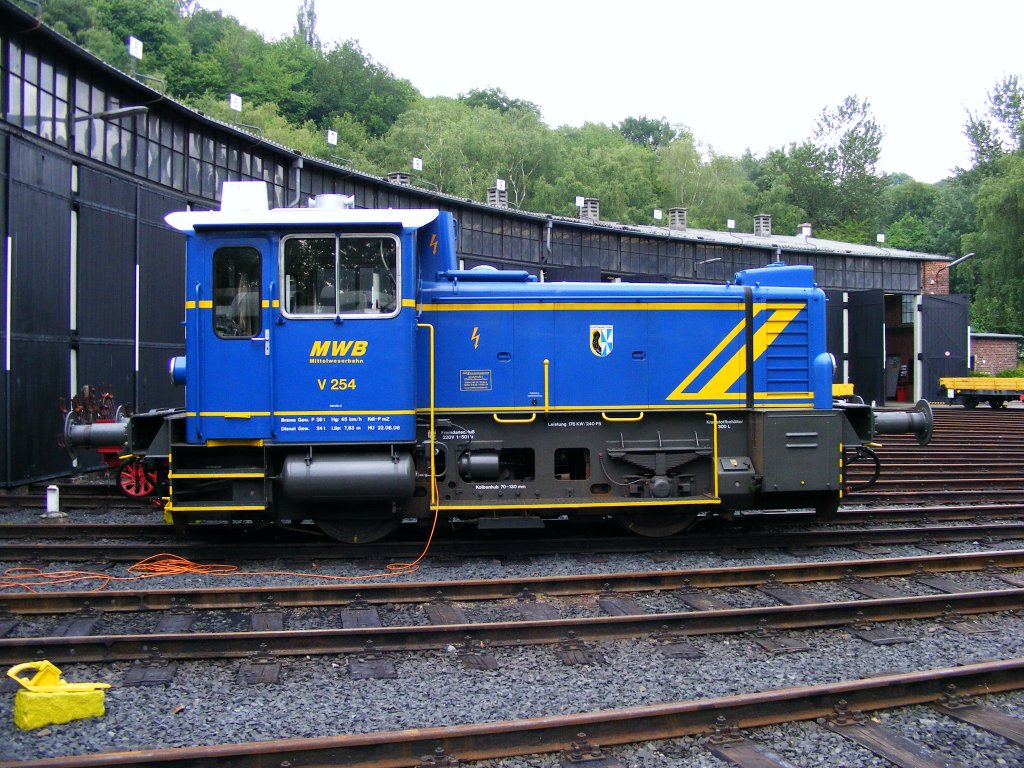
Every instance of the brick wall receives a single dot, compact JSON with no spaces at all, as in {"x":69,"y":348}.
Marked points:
{"x":932,"y":280}
{"x":994,"y":355}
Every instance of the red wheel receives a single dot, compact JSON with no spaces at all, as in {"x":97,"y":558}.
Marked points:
{"x":135,"y":480}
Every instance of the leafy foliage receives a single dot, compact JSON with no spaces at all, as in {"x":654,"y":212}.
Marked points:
{"x":647,"y":132}
{"x":998,"y":304}
{"x":495,"y":98}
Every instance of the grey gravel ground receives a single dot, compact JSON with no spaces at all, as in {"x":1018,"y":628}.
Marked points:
{"x":205,"y":703}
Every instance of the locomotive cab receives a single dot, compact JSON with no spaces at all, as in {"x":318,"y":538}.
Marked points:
{"x":300,"y":359}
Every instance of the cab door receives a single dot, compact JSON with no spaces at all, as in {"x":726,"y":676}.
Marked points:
{"x":344,"y":340}
{"x":233,"y":339}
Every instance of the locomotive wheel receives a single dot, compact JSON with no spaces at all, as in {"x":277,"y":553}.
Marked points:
{"x":656,"y":525}
{"x":995,"y":402}
{"x":358,"y":530}
{"x":970,"y":401}
{"x":135,"y":480}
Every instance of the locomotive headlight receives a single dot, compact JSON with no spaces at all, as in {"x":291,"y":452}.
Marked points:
{"x":176,"y":367}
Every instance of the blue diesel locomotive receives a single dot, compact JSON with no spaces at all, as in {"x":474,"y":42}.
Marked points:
{"x":340,"y":367}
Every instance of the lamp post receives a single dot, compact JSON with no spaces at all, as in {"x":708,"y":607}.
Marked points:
{"x":954,"y":263}
{"x":113,"y":114}
{"x":707,"y":261}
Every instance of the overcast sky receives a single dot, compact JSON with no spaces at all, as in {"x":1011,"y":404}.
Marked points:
{"x":739,"y":74}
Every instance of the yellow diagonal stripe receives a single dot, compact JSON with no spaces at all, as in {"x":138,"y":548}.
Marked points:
{"x":736,"y":365}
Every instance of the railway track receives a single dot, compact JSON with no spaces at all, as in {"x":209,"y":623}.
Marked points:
{"x":993,"y":563}
{"x":725,"y":540}
{"x":669,"y":633}
{"x":532,"y":622}
{"x":577,"y":736}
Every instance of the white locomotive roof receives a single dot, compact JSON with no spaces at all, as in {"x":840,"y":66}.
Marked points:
{"x":189,"y":221}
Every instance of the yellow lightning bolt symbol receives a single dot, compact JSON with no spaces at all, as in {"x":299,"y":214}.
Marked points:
{"x":475,"y":336}
{"x":433,"y":243}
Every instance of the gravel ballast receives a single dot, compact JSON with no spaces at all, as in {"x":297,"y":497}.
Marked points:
{"x":206,"y":704}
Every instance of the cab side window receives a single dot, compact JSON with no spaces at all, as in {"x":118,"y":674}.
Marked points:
{"x":309,"y":275}
{"x":236,"y":292}
{"x":340,"y":275}
{"x":366,"y":275}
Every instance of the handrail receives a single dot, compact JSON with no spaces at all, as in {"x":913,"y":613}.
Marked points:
{"x":199,"y":357}
{"x":270,"y":351}
{"x":547,"y":366}
{"x":497,"y":418}
{"x":434,"y":497}
{"x":606,"y":417}
{"x":714,"y":448}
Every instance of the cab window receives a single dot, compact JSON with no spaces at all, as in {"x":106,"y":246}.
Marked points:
{"x":340,"y":275}
{"x":236,"y":292}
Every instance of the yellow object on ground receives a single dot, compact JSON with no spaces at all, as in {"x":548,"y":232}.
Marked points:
{"x":46,"y":699}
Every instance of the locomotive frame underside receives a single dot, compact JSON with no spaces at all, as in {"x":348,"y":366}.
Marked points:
{"x":656,"y":472}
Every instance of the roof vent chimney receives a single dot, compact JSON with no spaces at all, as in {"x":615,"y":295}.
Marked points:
{"x":805,"y":230}
{"x":591,"y":209}
{"x":763,"y":225}
{"x":399,"y":177}
{"x":497,"y":196}
{"x":333,"y":202}
{"x":677,"y":218}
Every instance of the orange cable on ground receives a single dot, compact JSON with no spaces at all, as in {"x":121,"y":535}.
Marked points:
{"x":164,"y":564}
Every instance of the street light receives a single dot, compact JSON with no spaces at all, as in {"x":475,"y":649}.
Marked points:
{"x":113,"y":114}
{"x":954,"y":263}
{"x":706,"y":261}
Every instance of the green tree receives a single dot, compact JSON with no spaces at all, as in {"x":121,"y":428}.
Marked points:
{"x":70,"y":17}
{"x":495,"y":98}
{"x":1001,"y":130}
{"x":832,"y":177}
{"x":908,"y":214}
{"x":348,"y":82}
{"x":773,"y":195}
{"x":802,"y":172}
{"x":464,"y":149}
{"x":998,"y":305}
{"x":850,"y":143}
{"x":598,"y":162}
{"x":647,"y":132}
{"x":156,"y":23}
{"x":305,"y":24}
